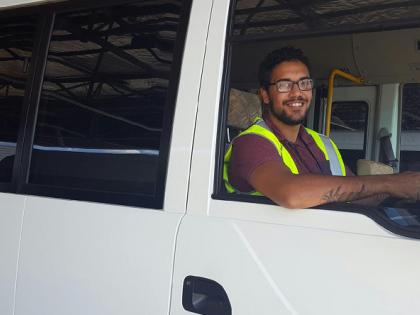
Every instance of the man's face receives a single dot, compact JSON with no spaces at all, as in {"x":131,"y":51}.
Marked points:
{"x":288,"y":107}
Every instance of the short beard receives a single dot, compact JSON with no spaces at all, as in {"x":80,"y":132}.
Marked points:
{"x":286,"y":119}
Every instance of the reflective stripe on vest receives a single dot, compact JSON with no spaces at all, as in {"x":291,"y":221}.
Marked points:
{"x":260,"y":128}
{"x":331,"y":153}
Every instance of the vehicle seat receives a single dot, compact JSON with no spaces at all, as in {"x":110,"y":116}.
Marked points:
{"x":244,"y":107}
{"x":386,"y":153}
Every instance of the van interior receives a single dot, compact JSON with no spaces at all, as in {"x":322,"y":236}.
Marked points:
{"x":376,"y":123}
{"x":365,"y":60}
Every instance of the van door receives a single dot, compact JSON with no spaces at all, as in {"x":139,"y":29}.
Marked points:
{"x":101,"y":186}
{"x":243,"y":255}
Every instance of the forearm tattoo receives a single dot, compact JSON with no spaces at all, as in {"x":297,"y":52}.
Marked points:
{"x":339,"y":195}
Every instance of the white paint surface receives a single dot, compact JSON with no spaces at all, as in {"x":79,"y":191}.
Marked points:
{"x":269,"y":268}
{"x":91,"y":258}
{"x":186,"y":108}
{"x":6,"y":4}
{"x":203,"y":159}
{"x":388,"y":114}
{"x":11,"y":216}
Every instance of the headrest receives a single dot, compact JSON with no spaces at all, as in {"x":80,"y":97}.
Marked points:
{"x":243,"y":108}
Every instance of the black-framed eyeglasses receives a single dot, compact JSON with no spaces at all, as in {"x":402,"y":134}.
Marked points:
{"x":284,"y":86}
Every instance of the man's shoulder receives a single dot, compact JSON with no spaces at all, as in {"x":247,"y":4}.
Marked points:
{"x":253,"y":145}
{"x":250,"y":139}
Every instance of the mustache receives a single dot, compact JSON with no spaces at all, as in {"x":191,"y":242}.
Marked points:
{"x":295,"y":99}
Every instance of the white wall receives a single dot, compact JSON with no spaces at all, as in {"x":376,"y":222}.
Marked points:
{"x":388,"y":113}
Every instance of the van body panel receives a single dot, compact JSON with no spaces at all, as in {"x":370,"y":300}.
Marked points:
{"x":186,"y":108}
{"x":90,"y":258}
{"x":12,"y":3}
{"x":203,"y":159}
{"x":66,"y":257}
{"x":346,"y":222}
{"x":11,"y":213}
{"x":93,"y":258}
{"x":298,"y":270}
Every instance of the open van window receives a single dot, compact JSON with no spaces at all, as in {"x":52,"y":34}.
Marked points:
{"x":333,"y":36}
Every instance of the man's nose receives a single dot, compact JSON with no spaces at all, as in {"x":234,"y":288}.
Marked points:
{"x":295,"y":89}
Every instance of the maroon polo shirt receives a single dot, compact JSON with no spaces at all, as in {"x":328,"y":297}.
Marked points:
{"x":250,"y":151}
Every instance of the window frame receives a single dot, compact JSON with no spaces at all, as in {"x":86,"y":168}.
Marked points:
{"x":219,"y":193}
{"x":45,"y":14}
{"x":11,"y":187}
{"x":366,"y":125}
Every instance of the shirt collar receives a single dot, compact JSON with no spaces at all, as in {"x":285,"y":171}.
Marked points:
{"x":302,"y":138}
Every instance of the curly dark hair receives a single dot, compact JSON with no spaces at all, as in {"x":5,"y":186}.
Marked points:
{"x":276,"y":57}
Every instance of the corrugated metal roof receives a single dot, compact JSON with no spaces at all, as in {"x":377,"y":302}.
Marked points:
{"x":253,"y":17}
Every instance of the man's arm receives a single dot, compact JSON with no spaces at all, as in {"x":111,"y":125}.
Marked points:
{"x":276,"y":182}
{"x":372,"y":200}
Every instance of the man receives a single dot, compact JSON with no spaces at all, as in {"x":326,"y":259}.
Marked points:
{"x":294,"y":166}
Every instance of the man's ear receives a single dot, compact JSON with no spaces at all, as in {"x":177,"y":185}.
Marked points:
{"x":262,"y":92}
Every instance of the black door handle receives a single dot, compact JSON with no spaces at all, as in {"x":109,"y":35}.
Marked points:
{"x":205,"y":296}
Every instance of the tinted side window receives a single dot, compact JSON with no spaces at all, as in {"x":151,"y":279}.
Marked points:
{"x":410,"y":128}
{"x":16,"y":42}
{"x":104,"y":100}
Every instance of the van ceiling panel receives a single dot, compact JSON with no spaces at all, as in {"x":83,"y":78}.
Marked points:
{"x":388,"y":57}
{"x":376,"y":39}
{"x":325,"y":54}
{"x":379,"y":57}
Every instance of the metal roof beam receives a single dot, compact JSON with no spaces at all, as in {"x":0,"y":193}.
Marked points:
{"x":279,"y":7}
{"x":307,"y":13}
{"x":325,"y":16}
{"x":373,"y":8}
{"x":102,"y":78}
{"x":83,"y":34}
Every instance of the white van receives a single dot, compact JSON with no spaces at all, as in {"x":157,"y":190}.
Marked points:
{"x":113,"y":126}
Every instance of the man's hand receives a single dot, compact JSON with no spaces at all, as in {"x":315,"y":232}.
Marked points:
{"x":406,"y":186}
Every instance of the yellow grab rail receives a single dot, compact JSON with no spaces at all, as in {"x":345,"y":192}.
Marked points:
{"x":331,"y":78}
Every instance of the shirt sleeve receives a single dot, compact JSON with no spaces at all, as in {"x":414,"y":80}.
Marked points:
{"x":249,"y":152}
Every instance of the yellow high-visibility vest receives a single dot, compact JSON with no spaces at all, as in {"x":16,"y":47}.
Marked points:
{"x":260,"y":128}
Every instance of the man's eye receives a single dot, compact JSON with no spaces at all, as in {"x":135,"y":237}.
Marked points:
{"x":306,"y":83}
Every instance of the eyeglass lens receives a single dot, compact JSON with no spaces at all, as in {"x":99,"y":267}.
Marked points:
{"x":287,"y":85}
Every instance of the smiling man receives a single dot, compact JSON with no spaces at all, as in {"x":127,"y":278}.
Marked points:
{"x":294,"y":166}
